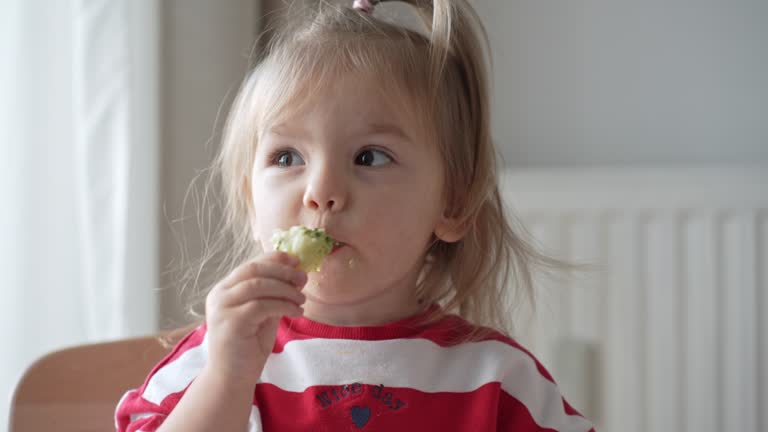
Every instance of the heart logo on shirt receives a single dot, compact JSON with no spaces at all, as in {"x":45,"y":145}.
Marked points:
{"x":360,"y":416}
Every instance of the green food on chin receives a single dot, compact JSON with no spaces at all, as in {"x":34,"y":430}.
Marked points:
{"x":310,"y":246}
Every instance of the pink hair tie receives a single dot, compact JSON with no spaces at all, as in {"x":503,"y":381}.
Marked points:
{"x":365,"y":5}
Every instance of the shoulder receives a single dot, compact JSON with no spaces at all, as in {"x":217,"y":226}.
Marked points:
{"x":456,"y":333}
{"x":528,"y":393}
{"x":177,"y":370}
{"x":146,"y":407}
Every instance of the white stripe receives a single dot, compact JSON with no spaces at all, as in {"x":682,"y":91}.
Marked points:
{"x":254,"y":420}
{"x":177,"y":375}
{"x":422,"y":365}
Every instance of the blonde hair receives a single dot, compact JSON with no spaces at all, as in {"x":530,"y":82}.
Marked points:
{"x":444,"y":76}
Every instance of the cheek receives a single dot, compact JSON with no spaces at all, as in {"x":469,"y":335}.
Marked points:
{"x":398,"y":247}
{"x":268,"y":212}
{"x":403,"y":223}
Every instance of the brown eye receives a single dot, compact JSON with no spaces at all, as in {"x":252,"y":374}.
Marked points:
{"x":372,"y":157}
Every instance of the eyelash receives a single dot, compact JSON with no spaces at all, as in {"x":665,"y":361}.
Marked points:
{"x":376,"y":149}
{"x":275,"y":156}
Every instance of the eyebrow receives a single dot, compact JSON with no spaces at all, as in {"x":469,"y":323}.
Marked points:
{"x":385,"y":129}
{"x":370,"y":129}
{"x":288,"y":131}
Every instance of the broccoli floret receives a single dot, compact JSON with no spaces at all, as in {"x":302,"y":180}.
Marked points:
{"x":311,"y":246}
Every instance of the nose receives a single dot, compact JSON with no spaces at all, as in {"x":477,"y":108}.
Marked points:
{"x":326,"y":190}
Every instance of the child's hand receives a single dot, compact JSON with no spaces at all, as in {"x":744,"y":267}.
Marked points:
{"x":243,"y":311}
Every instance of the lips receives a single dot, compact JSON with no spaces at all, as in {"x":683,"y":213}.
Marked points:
{"x":337,"y":245}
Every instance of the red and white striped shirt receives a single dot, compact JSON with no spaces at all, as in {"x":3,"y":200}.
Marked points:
{"x":396,"y":377}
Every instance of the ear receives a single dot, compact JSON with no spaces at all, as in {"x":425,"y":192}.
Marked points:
{"x":450,"y":230}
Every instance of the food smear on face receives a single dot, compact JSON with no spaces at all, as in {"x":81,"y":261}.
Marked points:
{"x":309,"y":245}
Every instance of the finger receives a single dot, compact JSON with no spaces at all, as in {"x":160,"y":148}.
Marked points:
{"x":257,"y":312}
{"x":282,"y":258}
{"x":262,"y":268}
{"x":261,"y":288}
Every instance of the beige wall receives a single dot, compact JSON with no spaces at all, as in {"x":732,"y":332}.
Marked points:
{"x":204,"y":52}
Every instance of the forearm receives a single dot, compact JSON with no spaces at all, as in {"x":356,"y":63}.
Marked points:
{"x":211,"y":403}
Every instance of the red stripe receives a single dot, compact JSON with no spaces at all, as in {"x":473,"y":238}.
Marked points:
{"x":515,"y":416}
{"x":569,"y":409}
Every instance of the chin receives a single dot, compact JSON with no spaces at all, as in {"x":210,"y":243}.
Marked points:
{"x":327,"y":289}
{"x":333,"y":291}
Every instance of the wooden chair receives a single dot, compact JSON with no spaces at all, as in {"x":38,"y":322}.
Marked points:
{"x":78,"y":388}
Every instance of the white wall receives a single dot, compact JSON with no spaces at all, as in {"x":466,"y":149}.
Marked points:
{"x":666,"y":334}
{"x":614,"y":81}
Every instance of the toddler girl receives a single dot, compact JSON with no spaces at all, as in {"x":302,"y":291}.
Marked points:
{"x":379,"y":135}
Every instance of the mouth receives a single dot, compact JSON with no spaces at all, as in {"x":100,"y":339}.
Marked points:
{"x":337,"y":245}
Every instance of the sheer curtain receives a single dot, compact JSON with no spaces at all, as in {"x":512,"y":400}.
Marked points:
{"x":78,"y":176}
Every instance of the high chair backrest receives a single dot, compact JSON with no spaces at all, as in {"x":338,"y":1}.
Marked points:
{"x":78,"y":388}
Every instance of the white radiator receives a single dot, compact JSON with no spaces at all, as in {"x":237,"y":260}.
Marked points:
{"x":670,"y":333}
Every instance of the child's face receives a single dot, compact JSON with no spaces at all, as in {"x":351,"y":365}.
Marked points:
{"x":355,"y":165}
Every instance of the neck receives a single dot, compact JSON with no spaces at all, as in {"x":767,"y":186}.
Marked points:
{"x":373,"y":311}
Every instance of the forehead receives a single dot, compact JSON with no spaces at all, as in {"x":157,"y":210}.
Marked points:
{"x":370,"y":95}
{"x":349,"y":100}
{"x":361,"y":95}
{"x":350,"y":110}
